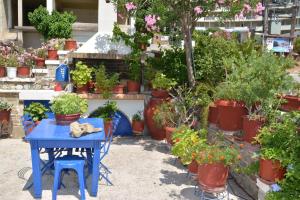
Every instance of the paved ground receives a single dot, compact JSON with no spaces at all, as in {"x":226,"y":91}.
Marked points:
{"x":142,"y":169}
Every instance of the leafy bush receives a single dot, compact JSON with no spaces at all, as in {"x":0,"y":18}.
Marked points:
{"x":54,"y":25}
{"x":106,"y":112}
{"x":2,"y":60}
{"x":69,"y":103}
{"x":162,"y":82}
{"x":4,"y":105}
{"x":36,"y":110}
{"x":82,"y":74}
{"x":12,"y":60}
{"x":106,"y":82}
{"x":137,"y":116}
{"x":297,"y":45}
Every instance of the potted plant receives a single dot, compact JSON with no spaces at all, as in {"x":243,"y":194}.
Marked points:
{"x":11,"y":65}
{"x":133,"y":85}
{"x":137,"y":123}
{"x":276,"y":140}
{"x":107,"y":113}
{"x":5,"y":109}
{"x":81,"y":76}
{"x":41,"y":55}
{"x":187,"y":144}
{"x":26,"y":62}
{"x":53,"y":46}
{"x":161,"y":85}
{"x":36,"y":111}
{"x":68,"y":107}
{"x":106,"y":84}
{"x":2,"y":66}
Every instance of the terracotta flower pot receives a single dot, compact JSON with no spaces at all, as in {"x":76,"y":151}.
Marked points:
{"x":143,"y":46}
{"x":52,"y":54}
{"x":169,"y":132}
{"x":84,"y":89}
{"x":70,"y":45}
{"x":230,"y":115}
{"x":158,"y":93}
{"x":212,"y":177}
{"x":119,"y":89}
{"x":66,"y":119}
{"x":293,"y":103}
{"x":133,"y":87}
{"x":271,"y":171}
{"x":251,"y":128}
{"x":137,"y":127}
{"x":108,"y":128}
{"x":193,"y":167}
{"x":213,"y":114}
{"x":4,"y":115}
{"x":40,"y":62}
{"x":23,"y":71}
{"x":2,"y":71}
{"x":157,"y":133}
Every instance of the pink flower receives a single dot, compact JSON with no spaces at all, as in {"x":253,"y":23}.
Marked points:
{"x":259,"y":8}
{"x":220,"y":1}
{"x":247,"y":8}
{"x":198,"y":10}
{"x":130,"y":6}
{"x":151,"y":22}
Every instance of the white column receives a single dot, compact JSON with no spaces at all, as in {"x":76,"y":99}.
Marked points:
{"x":9,"y":14}
{"x":107,"y":16}
{"x":20,"y":19}
{"x":50,"y":4}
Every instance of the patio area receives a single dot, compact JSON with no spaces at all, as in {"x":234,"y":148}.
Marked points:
{"x":142,"y":168}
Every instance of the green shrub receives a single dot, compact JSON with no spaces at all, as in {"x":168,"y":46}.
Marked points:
{"x":82,"y":74}
{"x":69,"y":103}
{"x":106,"y":112}
{"x":37,"y":111}
{"x":4,"y":105}
{"x":297,"y":45}
{"x":137,"y":116}
{"x":161,"y":81}
{"x":106,"y":82}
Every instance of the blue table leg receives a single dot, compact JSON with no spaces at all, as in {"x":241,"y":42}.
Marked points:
{"x":89,"y":158}
{"x":36,"y":170}
{"x":96,"y":162}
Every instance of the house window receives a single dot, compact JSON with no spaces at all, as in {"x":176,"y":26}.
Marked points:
{"x":30,"y":6}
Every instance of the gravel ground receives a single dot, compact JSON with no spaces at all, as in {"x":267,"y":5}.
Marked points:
{"x":141,"y":169}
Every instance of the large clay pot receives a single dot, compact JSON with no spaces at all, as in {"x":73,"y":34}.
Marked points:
{"x":84,"y":89}
{"x":212,"y":177}
{"x":4,"y":115}
{"x":66,"y":119}
{"x":157,"y":133}
{"x":158,"y":93}
{"x":271,"y":171}
{"x":230,"y":115}
{"x":119,"y":89}
{"x":133,"y":87}
{"x":213,"y":114}
{"x":40,"y":62}
{"x":292,"y":103}
{"x":52,"y":54}
{"x":23,"y":71}
{"x":70,"y":45}
{"x":169,"y":132}
{"x":2,"y":71}
{"x":251,"y":128}
{"x":193,"y":167}
{"x":108,"y":128}
{"x":137,"y":127}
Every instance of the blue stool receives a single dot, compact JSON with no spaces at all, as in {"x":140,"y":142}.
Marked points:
{"x":69,"y":162}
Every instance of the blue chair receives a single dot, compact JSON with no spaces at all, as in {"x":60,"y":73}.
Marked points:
{"x":69,"y":162}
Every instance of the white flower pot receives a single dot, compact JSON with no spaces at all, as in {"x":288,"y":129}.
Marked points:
{"x":11,"y":72}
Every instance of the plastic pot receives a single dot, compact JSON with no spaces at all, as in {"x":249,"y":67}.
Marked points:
{"x":2,"y":71}
{"x":40,"y":62}
{"x":251,"y":128}
{"x":118,"y":89}
{"x":230,"y":115}
{"x":4,"y":115}
{"x":193,"y":167}
{"x":158,"y":93}
{"x":23,"y":71}
{"x":70,"y":45}
{"x":52,"y":54}
{"x":108,"y":128}
{"x":83,"y":89}
{"x":292,"y":103}
{"x":270,"y":171}
{"x":169,"y":132}
{"x":133,"y":87}
{"x":213,"y":114}
{"x":66,"y":119}
{"x":137,"y":127}
{"x":11,"y":72}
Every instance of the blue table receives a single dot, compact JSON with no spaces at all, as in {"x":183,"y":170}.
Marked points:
{"x":50,"y":135}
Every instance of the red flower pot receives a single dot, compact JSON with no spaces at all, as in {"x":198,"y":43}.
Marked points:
{"x":213,"y":114}
{"x":212,"y":177}
{"x":156,"y":132}
{"x":230,"y":115}
{"x":108,"y":128}
{"x":2,"y":71}
{"x":52,"y":54}
{"x":271,"y":171}
{"x":84,"y":89}
{"x":40,"y":62}
{"x":292,"y":103}
{"x":4,"y":115}
{"x":119,"y":89}
{"x":193,"y":167}
{"x":23,"y":71}
{"x":66,"y":119}
{"x":158,"y":93}
{"x":70,"y":45}
{"x":251,"y":128}
{"x":137,"y":126}
{"x":143,"y":46}
{"x":133,"y":87}
{"x":169,"y":132}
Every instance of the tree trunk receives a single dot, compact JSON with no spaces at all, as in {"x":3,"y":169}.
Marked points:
{"x":186,"y":29}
